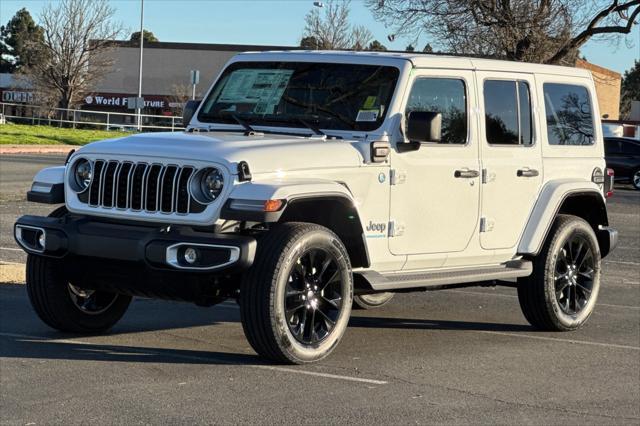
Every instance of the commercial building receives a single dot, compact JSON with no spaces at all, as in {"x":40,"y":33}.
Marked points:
{"x":166,"y":78}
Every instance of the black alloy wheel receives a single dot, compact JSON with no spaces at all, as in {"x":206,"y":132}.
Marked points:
{"x":313,"y":296}
{"x":574,"y":275}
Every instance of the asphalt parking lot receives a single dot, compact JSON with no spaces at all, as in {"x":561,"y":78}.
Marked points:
{"x":455,"y":356}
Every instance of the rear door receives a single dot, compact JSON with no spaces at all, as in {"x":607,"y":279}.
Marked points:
{"x":511,"y":156}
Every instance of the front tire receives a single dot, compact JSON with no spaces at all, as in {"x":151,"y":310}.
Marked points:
{"x":635,"y":179}
{"x":561,"y":293}
{"x":66,"y":307}
{"x":295,"y":301}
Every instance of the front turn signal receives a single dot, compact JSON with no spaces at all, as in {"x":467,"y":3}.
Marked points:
{"x":273,"y":205}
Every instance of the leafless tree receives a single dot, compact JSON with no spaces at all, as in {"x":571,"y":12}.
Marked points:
{"x":330,"y":29}
{"x":78,"y":35}
{"x":546,"y":31}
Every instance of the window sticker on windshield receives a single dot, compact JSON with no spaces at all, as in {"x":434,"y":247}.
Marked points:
{"x":369,"y":102}
{"x":262,"y":87}
{"x":367,"y":115}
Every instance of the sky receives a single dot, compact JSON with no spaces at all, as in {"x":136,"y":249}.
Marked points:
{"x":279,"y":22}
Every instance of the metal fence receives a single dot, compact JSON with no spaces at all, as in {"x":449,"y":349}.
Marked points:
{"x":87,"y":119}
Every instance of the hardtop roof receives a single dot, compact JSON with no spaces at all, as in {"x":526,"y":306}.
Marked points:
{"x":419,"y":60}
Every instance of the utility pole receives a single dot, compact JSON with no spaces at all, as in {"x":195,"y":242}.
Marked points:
{"x":139,"y":107}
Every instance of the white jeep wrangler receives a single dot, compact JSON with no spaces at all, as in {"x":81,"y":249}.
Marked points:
{"x":308,"y":181}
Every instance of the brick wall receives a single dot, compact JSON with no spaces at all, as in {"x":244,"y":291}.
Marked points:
{"x":607,"y":87}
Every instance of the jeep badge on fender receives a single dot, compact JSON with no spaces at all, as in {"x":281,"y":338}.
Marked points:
{"x":276,"y":196}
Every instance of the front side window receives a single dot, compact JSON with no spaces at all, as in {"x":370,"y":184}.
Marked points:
{"x":507,"y":107}
{"x":569,"y":114}
{"x":446,"y":96}
{"x":289,"y":94}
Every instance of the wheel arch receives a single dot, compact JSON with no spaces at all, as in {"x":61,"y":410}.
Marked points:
{"x":323,"y":202}
{"x":581,"y":199}
{"x":335,"y":212}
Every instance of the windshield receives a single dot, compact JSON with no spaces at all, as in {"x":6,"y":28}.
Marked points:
{"x":286,"y":94}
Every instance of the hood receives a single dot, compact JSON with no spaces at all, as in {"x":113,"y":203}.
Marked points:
{"x":268,"y":153}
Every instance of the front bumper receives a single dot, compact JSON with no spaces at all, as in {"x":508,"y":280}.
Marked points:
{"x":158,"y":247}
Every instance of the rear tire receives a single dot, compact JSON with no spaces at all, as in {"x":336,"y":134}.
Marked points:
{"x":561,"y":293}
{"x":69,"y":308}
{"x":295,"y":300}
{"x":635,"y":179}
{"x":372,"y":301}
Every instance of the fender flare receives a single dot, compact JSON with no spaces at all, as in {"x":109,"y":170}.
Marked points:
{"x":246,"y":201}
{"x":48,"y":186}
{"x":550,"y":201}
{"x":324,"y":202}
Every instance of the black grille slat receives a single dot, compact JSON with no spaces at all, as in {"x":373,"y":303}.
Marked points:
{"x":108,"y":184}
{"x":168,"y":189}
{"x":153,"y":188}
{"x":182,"y":196}
{"x":137,"y":189}
{"x":123,"y":186}
{"x":94,"y":191}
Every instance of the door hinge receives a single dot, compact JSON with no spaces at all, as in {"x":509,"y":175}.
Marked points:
{"x":397,"y":177}
{"x":396,"y":229}
{"x":486,"y":224}
{"x":487,"y":177}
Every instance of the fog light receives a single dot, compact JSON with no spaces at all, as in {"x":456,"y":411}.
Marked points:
{"x":41,"y":240}
{"x":190,"y":256}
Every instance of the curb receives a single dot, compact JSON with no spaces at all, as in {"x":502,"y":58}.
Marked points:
{"x":12,"y":273}
{"x":36,"y":149}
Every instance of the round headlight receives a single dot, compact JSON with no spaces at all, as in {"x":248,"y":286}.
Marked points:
{"x":211,"y":183}
{"x":83,"y":172}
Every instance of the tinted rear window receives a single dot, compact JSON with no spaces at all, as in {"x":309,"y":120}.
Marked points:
{"x":569,"y":114}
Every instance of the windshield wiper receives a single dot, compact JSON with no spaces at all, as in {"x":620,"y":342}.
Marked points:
{"x":248,"y":129}
{"x":315,"y":129}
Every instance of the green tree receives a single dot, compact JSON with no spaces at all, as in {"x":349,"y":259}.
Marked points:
{"x":630,"y":88}
{"x":410,"y":48}
{"x":20,"y":42}
{"x":375,"y":45}
{"x":148,"y":36}
{"x":428,"y":49}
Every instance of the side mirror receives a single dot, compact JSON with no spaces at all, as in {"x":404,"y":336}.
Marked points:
{"x":424,"y":126}
{"x":189,"y":109}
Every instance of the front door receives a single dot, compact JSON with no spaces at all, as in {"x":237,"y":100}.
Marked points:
{"x":436,"y":189}
{"x":511,"y":156}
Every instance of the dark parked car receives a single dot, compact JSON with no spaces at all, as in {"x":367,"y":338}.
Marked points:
{"x":623,"y":156}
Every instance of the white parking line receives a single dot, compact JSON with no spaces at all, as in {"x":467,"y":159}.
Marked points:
{"x":553,"y":339}
{"x":10,"y":249}
{"x":479,"y":293}
{"x":144,"y":351}
{"x":621,"y":262}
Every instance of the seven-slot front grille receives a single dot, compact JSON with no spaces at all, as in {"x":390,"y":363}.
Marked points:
{"x":153,"y":188}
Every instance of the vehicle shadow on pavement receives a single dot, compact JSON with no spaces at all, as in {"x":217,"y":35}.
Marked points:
{"x":42,"y":348}
{"x":427,"y":324}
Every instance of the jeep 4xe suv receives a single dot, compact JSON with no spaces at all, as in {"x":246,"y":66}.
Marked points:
{"x":310,"y":181}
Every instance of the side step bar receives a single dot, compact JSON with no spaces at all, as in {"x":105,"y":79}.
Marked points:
{"x":403,"y":280}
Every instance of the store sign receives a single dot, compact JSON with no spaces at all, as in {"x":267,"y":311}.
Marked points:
{"x":122,"y":101}
{"x":17,"y":97}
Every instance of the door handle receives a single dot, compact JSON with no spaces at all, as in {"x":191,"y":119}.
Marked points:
{"x":466,"y":174}
{"x":527,"y":172}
